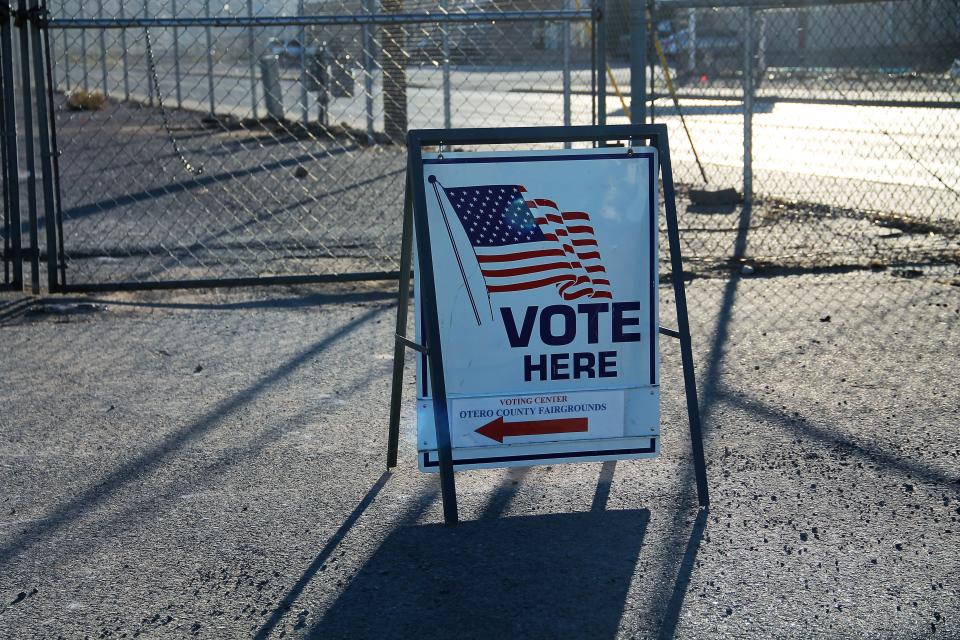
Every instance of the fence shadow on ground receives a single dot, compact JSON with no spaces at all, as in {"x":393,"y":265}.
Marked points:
{"x":558,"y":575}
{"x":63,"y":515}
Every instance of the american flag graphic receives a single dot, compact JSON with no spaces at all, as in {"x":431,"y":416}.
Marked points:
{"x":525,"y":243}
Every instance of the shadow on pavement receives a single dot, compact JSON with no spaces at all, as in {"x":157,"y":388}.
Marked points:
{"x":63,"y":515}
{"x":12,"y":311}
{"x":802,"y":426}
{"x":671,"y":614}
{"x":85,"y":210}
{"x":558,"y":575}
{"x":291,"y":596}
{"x":673,"y":567}
{"x":293,"y":302}
{"x":184,"y":254}
{"x":602,"y":494}
{"x":714,"y":109}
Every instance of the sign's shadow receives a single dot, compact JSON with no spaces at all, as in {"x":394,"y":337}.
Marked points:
{"x":562,"y":575}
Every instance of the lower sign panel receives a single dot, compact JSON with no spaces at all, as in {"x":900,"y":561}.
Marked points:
{"x":550,"y":453}
{"x":533,"y":429}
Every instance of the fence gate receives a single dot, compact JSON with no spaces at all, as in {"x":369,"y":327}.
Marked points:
{"x":202,"y":147}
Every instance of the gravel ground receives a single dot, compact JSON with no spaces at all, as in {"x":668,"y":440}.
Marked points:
{"x":212,"y":464}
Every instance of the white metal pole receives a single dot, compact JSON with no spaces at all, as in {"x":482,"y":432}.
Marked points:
{"x":102,"y":37}
{"x":368,"y":63}
{"x":123,"y":53}
{"x":252,"y":52}
{"x":209,"y":38}
{"x":304,"y":96}
{"x":176,"y":56}
{"x":445,"y":35}
{"x":565,"y":35}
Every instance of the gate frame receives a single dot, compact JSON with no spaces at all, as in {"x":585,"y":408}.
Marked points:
{"x":56,"y":255}
{"x":12,"y":249}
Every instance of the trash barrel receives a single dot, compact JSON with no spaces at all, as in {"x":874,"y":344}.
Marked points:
{"x":270,"y":73}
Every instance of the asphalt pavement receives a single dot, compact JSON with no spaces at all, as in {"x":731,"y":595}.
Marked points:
{"x":211,"y":464}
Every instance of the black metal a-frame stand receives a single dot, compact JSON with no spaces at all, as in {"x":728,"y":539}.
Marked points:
{"x":415,"y":210}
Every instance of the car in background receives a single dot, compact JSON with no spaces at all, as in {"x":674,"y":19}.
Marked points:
{"x":715,"y":52}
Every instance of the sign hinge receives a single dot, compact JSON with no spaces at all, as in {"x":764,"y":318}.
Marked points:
{"x":411,"y":344}
{"x":670,"y":332}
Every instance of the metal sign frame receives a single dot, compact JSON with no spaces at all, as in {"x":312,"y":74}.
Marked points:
{"x":415,"y":212}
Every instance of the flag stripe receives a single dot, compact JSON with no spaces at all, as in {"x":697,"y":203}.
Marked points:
{"x":519,"y":271}
{"x":528,"y":284}
{"x":520,"y":255}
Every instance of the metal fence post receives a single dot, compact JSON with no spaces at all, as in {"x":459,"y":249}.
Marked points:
{"x":11,"y":155}
{"x":146,"y":14}
{"x":176,"y":57}
{"x":7,"y":228}
{"x":54,"y":156}
{"x":565,"y":35}
{"x":748,"y":16}
{"x":209,"y":40}
{"x":46,"y":147}
{"x":251,"y":51}
{"x":692,"y":31}
{"x":123,"y":46}
{"x":394,"y":74}
{"x":601,"y":18}
{"x":102,"y":38}
{"x":367,"y":62}
{"x":304,"y":95}
{"x":66,"y":60}
{"x":638,"y":61}
{"x":85,"y":79}
{"x":445,"y":44}
{"x":761,"y":65}
{"x":27,"y":91}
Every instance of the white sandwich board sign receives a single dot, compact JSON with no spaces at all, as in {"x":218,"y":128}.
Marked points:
{"x":545,"y":269}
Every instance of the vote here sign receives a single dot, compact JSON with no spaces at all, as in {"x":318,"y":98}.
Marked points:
{"x":545,"y":265}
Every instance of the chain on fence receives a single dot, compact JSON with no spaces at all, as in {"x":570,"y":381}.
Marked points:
{"x":209,"y":153}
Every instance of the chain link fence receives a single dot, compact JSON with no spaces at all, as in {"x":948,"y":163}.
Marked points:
{"x":840,"y":119}
{"x":259,"y":142}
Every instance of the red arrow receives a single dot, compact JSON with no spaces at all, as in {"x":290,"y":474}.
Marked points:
{"x":498,"y":429}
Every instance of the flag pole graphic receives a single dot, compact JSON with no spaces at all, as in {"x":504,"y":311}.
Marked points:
{"x":453,"y":243}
